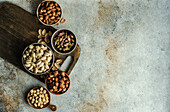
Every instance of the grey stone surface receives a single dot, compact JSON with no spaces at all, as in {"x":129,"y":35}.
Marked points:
{"x":124,"y":64}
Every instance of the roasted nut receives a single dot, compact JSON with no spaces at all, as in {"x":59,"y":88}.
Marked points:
{"x":63,"y":20}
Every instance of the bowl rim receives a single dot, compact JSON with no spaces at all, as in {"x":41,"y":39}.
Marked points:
{"x":54,"y":34}
{"x":58,"y":93}
{"x":51,"y":63}
{"x":33,"y":105}
{"x":38,"y":13}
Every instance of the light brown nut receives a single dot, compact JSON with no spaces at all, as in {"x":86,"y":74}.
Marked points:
{"x":44,"y":32}
{"x":52,"y":17}
{"x":57,"y":65}
{"x":46,"y":35}
{"x":63,"y":20}
{"x":40,"y":31}
{"x":58,"y":61}
{"x":43,"y":43}
{"x":39,"y":36}
{"x":50,"y":33}
{"x":39,"y":41}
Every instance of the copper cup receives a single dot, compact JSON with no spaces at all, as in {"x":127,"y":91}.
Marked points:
{"x":52,"y":107}
{"x":54,"y":92}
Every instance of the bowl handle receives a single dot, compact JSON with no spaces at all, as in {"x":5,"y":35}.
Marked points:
{"x":52,"y":107}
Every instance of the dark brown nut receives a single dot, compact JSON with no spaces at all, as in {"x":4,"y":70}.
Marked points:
{"x":64,"y":78}
{"x":56,"y":73}
{"x":62,"y":86}
{"x":51,"y":81}
{"x":42,"y":4}
{"x":63,"y":20}
{"x":61,"y":81}
{"x":51,"y":90}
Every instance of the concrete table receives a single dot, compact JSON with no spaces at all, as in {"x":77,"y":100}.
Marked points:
{"x":124,"y":64}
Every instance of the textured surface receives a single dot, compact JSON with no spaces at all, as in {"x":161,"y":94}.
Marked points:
{"x":124,"y":64}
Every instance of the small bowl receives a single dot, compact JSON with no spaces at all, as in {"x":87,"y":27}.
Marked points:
{"x":52,"y":107}
{"x":56,"y":34}
{"x":52,"y":61}
{"x":42,"y":21}
{"x":47,"y":86}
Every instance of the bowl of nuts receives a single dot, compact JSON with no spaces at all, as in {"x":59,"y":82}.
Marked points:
{"x":63,"y":41}
{"x":57,"y":82}
{"x":37,"y":58}
{"x":49,"y":13}
{"x":39,"y":98}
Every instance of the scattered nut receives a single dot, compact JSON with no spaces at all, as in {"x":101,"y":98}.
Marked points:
{"x":63,"y":20}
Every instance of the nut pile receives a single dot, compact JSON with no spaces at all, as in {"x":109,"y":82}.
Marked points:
{"x":43,"y":35}
{"x":56,"y":64}
{"x":37,"y":58}
{"x":58,"y":82}
{"x":64,"y":42}
{"x":38,"y":97}
{"x":49,"y":12}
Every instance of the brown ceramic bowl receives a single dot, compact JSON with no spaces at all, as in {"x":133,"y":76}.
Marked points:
{"x":47,"y":84}
{"x":55,"y":34}
{"x":38,"y":13}
{"x":52,"y":61}
{"x":52,"y":107}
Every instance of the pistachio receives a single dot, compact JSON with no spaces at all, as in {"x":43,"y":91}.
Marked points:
{"x":47,"y":40}
{"x":44,"y":32}
{"x":46,"y":35}
{"x":50,"y":33}
{"x":40,"y":32}
{"x":39,"y":41}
